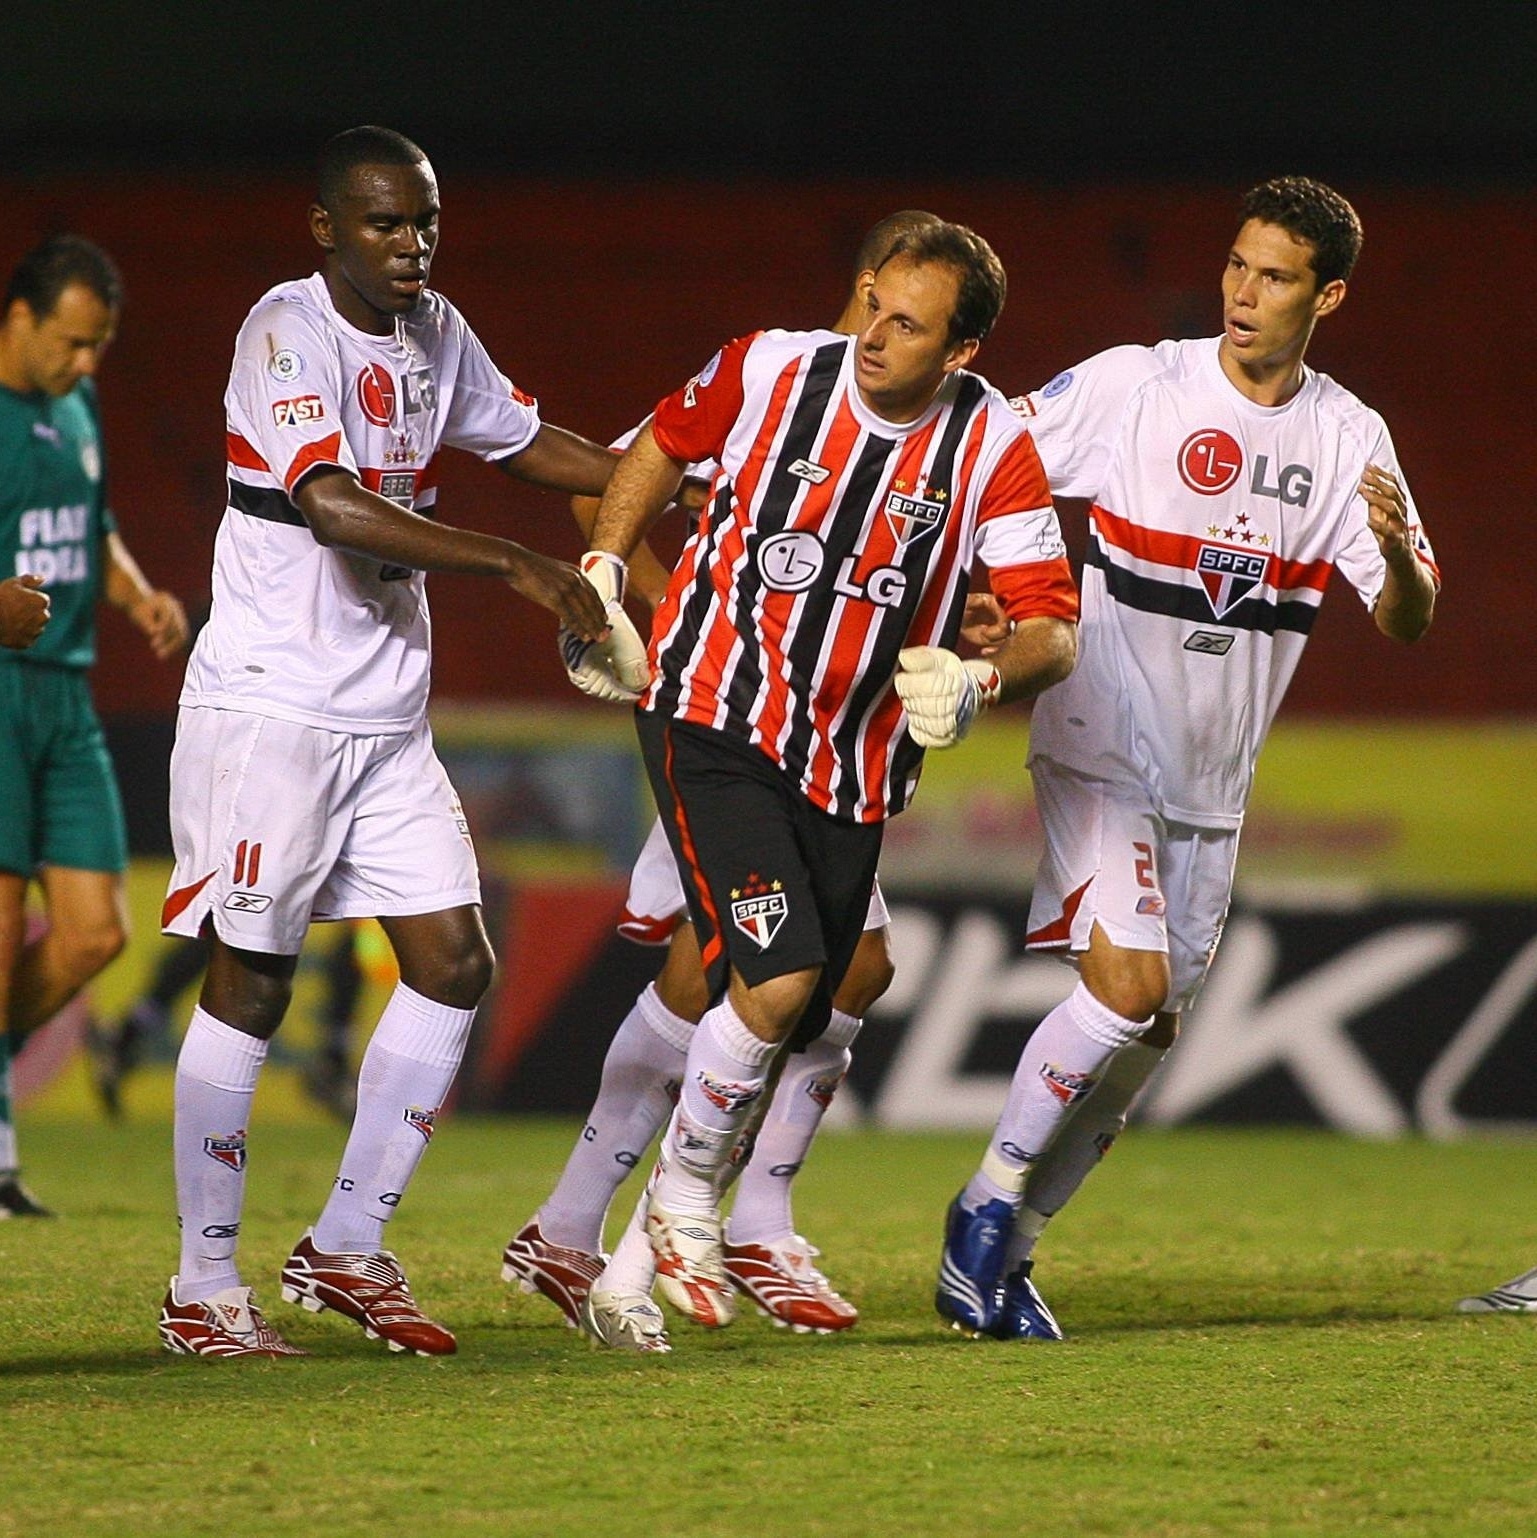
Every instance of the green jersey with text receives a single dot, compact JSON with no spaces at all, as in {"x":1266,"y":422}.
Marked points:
{"x":53,"y":514}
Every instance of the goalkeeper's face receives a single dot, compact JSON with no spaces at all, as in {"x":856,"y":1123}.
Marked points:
{"x":379,"y":242}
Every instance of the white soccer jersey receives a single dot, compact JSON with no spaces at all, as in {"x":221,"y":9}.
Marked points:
{"x":299,"y":631}
{"x":1214,"y":527}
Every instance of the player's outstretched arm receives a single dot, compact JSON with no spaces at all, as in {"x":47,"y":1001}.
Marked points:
{"x":562,"y":461}
{"x":343,"y":515}
{"x":23,"y":610}
{"x":1408,"y":599}
{"x":157,"y":613}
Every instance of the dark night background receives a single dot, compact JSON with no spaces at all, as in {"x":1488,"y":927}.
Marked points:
{"x":625,"y":185}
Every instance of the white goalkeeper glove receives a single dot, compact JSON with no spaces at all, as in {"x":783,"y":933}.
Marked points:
{"x":616,"y":668}
{"x":942,"y":694}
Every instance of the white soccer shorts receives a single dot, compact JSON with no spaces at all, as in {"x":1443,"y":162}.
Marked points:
{"x":1151,"y":885}
{"x":276,"y":824}
{"x":656,"y":904}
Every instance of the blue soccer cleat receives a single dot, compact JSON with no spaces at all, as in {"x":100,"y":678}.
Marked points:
{"x":971,"y":1265}
{"x":1022,"y":1311}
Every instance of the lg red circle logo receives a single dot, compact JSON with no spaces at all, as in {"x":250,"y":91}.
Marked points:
{"x":376,"y":394}
{"x":1209,"y":461}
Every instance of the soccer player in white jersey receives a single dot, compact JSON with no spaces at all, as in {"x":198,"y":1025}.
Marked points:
{"x":803,"y":659}
{"x":303,"y":782}
{"x":557,"y":1252}
{"x":1227,"y":481}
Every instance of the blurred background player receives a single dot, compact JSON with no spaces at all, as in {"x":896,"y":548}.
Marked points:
{"x":1228,"y":481}
{"x":558,"y":1252}
{"x":61,"y":818}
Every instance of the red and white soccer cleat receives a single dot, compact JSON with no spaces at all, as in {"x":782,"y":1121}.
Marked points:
{"x":371,"y":1290}
{"x":564,"y":1275}
{"x":689,"y":1265}
{"x":784,"y":1285}
{"x":227,"y":1324}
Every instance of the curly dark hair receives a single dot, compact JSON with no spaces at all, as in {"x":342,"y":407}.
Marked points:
{"x":1308,"y":210}
{"x":982,"y":282}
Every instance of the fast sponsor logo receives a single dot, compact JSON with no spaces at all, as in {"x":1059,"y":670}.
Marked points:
{"x":298,"y":411}
{"x":1229,"y":575}
{"x":1210,"y":461}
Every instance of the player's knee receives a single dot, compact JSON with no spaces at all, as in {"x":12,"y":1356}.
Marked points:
{"x":89,"y":948}
{"x":869,"y":975}
{"x":1134,"y":984}
{"x":460,"y":977}
{"x":772,"y":1009}
{"x":681,"y":984}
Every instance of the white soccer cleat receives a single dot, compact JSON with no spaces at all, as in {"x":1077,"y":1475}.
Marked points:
{"x":690,"y":1266}
{"x":784,"y":1284}
{"x":1518,"y":1296}
{"x":624,"y":1321}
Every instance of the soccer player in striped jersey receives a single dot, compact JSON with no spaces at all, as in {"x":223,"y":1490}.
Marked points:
{"x":557,"y":1252}
{"x":1228,"y":481}
{"x":803,"y":659}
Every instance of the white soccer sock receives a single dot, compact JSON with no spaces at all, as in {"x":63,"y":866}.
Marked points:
{"x":1061,"y":1064}
{"x":216,"y":1073}
{"x":632,"y":1268}
{"x":641,"y":1076}
{"x":723,"y":1078}
{"x":404,"y":1079}
{"x":762,"y":1211}
{"x":1085,"y":1139}
{"x":9,"y":1157}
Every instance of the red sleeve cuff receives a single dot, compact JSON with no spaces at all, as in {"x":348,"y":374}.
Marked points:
{"x":1041,"y":590}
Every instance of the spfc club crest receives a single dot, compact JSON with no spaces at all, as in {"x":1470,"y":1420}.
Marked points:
{"x":759,"y":917}
{"x":915,"y":514}
{"x":1229,"y":576}
{"x":228,"y":1151}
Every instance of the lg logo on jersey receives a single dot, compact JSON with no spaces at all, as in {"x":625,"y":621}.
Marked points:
{"x":792,"y":562}
{"x":1211,"y":461}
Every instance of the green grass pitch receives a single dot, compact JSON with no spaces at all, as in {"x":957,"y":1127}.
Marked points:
{"x":1262,"y":1344}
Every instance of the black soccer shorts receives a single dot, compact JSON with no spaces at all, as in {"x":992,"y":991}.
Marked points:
{"x":774,"y":885}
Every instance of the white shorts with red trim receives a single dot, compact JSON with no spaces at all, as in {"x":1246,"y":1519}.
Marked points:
{"x":275,"y":824}
{"x":1111,"y":859}
{"x":656,"y":904}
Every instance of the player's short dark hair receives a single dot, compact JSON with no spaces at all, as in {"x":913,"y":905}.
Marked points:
{"x":365,"y":146}
{"x":982,"y":282}
{"x":1308,"y":210}
{"x":47,"y":270}
{"x":880,"y":238}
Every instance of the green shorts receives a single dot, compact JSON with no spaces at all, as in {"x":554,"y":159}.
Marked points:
{"x":59,"y":802}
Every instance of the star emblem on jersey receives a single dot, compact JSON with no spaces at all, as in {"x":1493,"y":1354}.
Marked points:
{"x":1229,"y":575}
{"x":759,"y":908}
{"x":912,"y":516}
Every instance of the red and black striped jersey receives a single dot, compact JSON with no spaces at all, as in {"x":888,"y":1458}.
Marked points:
{"x":831,"y":540}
